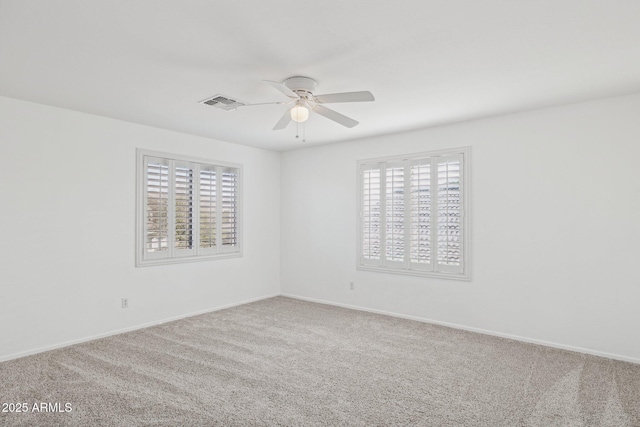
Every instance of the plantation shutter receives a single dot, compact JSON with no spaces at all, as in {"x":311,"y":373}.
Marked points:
{"x":229,"y":209}
{"x":208,"y":209}
{"x":156,"y":208}
{"x":371,"y":215}
{"x":420,"y":215}
{"x":186,"y":210}
{"x":412,"y":214}
{"x":449,"y":214}
{"x":394,"y":214}
{"x":183,"y":203}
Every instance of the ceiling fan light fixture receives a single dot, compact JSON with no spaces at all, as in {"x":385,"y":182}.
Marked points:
{"x":299,"y":114}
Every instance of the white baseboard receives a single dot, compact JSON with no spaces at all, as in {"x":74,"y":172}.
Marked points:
{"x":129,"y":329}
{"x":471,"y":329}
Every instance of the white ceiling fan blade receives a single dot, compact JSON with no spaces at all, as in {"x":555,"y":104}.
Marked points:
{"x":282,"y":88}
{"x":263,"y":103}
{"x":335,"y":116}
{"x":364,"y":96}
{"x":284,"y":120}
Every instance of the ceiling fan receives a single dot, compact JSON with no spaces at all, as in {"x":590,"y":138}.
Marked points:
{"x":300,"y":91}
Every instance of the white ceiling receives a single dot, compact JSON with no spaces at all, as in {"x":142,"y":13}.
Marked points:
{"x":427,"y":62}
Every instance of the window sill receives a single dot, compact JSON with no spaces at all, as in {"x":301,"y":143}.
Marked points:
{"x":181,"y":260}
{"x":466,"y":277}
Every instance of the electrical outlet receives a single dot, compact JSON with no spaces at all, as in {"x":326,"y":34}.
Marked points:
{"x":352,"y":285}
{"x":125,"y":303}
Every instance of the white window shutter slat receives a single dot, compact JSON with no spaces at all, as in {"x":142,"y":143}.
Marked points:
{"x":449,"y":214}
{"x":371,"y":239}
{"x":156,"y":209}
{"x":421,"y":189}
{"x":229,"y":209}
{"x":183,"y":216}
{"x":208,"y":208}
{"x":394,"y":218}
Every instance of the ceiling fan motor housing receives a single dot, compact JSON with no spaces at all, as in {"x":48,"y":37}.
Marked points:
{"x":300,"y":84}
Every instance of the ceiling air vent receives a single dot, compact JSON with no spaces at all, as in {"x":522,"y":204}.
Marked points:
{"x":223,"y":102}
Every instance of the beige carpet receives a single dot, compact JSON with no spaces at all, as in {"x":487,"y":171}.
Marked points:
{"x":283,"y":362}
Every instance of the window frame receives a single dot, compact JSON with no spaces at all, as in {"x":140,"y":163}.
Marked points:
{"x":405,"y":267}
{"x":144,"y":258}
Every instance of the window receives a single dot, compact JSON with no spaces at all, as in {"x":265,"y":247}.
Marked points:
{"x":414,"y":214}
{"x":188,"y":209}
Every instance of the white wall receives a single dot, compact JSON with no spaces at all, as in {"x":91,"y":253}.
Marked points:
{"x":555,"y":227}
{"x":67,"y":229}
{"x":556,"y":235}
